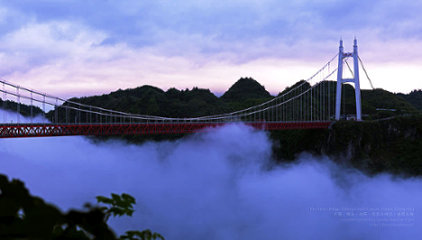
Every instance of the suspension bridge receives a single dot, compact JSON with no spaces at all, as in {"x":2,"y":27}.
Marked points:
{"x":311,"y":103}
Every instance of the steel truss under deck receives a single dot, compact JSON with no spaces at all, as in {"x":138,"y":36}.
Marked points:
{"x":48,"y":130}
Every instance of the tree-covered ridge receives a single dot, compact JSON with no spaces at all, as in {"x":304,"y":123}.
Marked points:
{"x":24,"y":110}
{"x":376,"y":103}
{"x":181,"y":103}
{"x":246,"y":92}
{"x":379,"y":101}
{"x":414,"y":98}
{"x":244,"y":89}
{"x":154,"y":101}
{"x":391,"y":145}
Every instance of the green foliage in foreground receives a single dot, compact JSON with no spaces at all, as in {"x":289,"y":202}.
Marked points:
{"x":141,"y":235}
{"x":120,"y":205}
{"x":23,"y":216}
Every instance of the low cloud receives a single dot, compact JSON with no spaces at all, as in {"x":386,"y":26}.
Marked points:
{"x":221,"y":184}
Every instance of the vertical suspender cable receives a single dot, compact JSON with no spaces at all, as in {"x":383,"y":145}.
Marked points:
{"x":18,"y":104}
{"x":67,"y":113}
{"x":328,"y":94}
{"x":56,"y":111}
{"x":311,"y":104}
{"x":301,"y":103}
{"x":32,"y":112}
{"x":4,"y":103}
{"x":43,"y":106}
{"x":329,"y":101}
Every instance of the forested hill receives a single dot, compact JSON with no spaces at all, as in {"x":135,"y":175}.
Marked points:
{"x":246,"y":92}
{"x":154,"y":101}
{"x":24,"y":110}
{"x":414,"y":98}
{"x":181,"y":103}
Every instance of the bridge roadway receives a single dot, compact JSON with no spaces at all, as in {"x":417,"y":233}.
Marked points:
{"x":97,"y":129}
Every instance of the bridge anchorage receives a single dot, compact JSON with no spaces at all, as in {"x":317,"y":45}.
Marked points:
{"x":307,"y":104}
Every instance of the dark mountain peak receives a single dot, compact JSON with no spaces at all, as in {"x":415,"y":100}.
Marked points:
{"x":246,"y":88}
{"x":200,"y":94}
{"x":143,"y":91}
{"x":147,"y":89}
{"x":304,"y":85}
{"x":414,"y":98}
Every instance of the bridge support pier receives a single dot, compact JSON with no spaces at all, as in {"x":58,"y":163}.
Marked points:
{"x":340,"y":80}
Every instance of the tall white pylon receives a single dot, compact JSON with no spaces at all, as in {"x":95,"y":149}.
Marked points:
{"x":340,"y":80}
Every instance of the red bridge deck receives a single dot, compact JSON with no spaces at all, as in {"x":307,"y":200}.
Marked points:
{"x":46,"y":130}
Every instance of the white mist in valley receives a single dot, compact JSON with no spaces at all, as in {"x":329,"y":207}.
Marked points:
{"x":220,"y":184}
{"x":10,"y":117}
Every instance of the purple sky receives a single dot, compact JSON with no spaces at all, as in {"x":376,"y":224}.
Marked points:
{"x":75,"y":48}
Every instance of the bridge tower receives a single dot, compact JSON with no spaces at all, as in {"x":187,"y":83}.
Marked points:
{"x":355,"y":79}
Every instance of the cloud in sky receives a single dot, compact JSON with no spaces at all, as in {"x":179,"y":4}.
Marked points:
{"x":82,"y":48}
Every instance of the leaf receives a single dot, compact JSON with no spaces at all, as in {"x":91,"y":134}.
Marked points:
{"x":141,"y":235}
{"x":117,"y":205}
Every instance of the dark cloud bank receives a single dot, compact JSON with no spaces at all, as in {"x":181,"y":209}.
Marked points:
{"x":218,"y":185}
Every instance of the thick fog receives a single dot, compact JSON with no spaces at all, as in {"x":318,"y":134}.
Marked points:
{"x":221,"y":184}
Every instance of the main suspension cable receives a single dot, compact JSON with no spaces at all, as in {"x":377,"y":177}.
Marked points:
{"x":366,"y":73}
